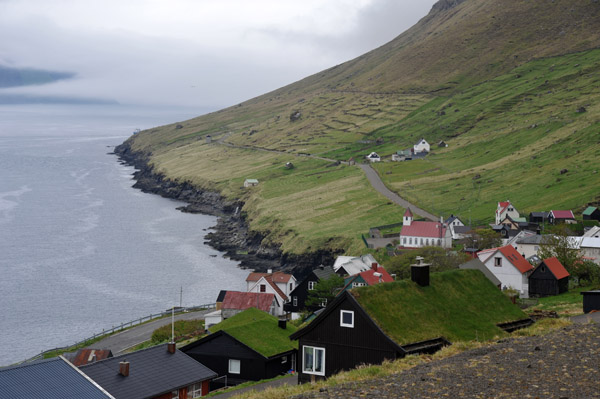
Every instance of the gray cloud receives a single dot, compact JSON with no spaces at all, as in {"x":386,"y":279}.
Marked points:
{"x":207,"y":59}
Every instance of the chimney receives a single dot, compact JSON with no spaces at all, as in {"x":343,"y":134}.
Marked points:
{"x":270,"y":271}
{"x":124,"y":368}
{"x":419,"y":272}
{"x":282,"y":323}
{"x":171,"y":347}
{"x":374,"y":266}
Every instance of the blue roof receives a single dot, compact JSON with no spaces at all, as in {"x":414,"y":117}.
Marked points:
{"x":48,"y":379}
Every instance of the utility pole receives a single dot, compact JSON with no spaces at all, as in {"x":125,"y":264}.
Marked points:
{"x":181,"y":297}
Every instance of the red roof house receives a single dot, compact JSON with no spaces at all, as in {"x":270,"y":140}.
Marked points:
{"x":508,"y":266}
{"x":561,"y":217}
{"x":236,"y":301}
{"x":549,"y":278}
{"x":376,"y":275}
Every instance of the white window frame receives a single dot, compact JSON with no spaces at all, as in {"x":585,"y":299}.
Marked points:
{"x":194,"y":391}
{"x":175,"y":394}
{"x":311,"y":371}
{"x":295,"y":301}
{"x":229,"y":369}
{"x":311,"y":285}
{"x":342,"y":324}
{"x":498,"y":261}
{"x":262,"y":288}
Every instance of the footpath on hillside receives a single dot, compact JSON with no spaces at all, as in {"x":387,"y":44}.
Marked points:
{"x":562,"y":364}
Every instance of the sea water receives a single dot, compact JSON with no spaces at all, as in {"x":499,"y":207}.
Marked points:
{"x":80,"y":249}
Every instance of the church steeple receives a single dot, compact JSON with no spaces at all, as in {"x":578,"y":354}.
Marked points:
{"x":408,"y":218}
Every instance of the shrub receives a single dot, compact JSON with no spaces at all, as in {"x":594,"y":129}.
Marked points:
{"x":182,"y":328}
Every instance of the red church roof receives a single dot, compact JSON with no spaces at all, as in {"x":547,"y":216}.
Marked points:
{"x":408,"y":213}
{"x":556,"y":268}
{"x":245,"y":300}
{"x":502,"y":206}
{"x":424,"y":229}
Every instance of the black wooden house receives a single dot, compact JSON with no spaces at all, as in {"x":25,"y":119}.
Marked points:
{"x":249,"y":346}
{"x":299,"y":295}
{"x":548,"y":278}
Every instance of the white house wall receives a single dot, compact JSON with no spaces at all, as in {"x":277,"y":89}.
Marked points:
{"x":509,"y":275}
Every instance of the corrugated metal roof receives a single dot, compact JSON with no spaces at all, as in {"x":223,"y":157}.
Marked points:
{"x":589,"y":210}
{"x":244,"y":300}
{"x":47,"y":379}
{"x":563,"y":214}
{"x":324,"y":272}
{"x":152,"y":372}
{"x":424,"y":229}
{"x":516,"y":259}
{"x":371,"y":279}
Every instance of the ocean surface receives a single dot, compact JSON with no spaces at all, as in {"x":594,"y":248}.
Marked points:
{"x":80,"y":249}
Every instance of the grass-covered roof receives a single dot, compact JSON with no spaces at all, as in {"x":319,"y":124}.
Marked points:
{"x":460,"y":305}
{"x":259,"y":331}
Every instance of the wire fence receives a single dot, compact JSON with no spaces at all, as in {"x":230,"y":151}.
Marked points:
{"x":123,"y":326}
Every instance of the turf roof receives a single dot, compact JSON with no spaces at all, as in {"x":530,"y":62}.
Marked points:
{"x":459,"y":305}
{"x":259,"y":331}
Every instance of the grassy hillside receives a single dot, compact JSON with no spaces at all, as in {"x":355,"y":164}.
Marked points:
{"x":410,"y":313}
{"x":499,"y":81}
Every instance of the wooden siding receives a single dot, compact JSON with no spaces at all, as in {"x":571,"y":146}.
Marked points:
{"x":543,"y":283}
{"x":346,"y":348}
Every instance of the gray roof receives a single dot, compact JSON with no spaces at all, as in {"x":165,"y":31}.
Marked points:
{"x":324,"y":273}
{"x":152,"y":372}
{"x":462,"y":229}
{"x":540,"y":214}
{"x":476,"y":264}
{"x":535,"y":239}
{"x":48,"y":379}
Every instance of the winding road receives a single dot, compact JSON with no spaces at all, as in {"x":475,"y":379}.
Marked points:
{"x":371,"y":174}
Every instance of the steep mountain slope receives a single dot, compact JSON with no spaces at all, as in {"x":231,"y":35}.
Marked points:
{"x":475,"y":73}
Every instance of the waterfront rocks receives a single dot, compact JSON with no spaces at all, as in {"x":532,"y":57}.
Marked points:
{"x":231,"y":234}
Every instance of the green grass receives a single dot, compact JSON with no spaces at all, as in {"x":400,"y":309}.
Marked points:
{"x":259,"y":331}
{"x":566,"y":304}
{"x":460,"y":305}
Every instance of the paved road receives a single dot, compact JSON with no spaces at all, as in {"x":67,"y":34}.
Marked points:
{"x":586,"y":318}
{"x":289,"y":380}
{"x":378,"y":185}
{"x":119,"y":342}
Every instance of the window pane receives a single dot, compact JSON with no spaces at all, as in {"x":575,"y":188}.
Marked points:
{"x":234,"y":366}
{"x":308,"y":358}
{"x":347,"y":318}
{"x":319,"y":360}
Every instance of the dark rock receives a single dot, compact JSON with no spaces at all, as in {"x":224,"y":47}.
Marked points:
{"x":581,"y":110}
{"x":179,"y":127}
{"x":563,"y":171}
{"x":294,"y":116}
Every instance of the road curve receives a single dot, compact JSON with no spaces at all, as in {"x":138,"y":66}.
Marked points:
{"x":378,"y":185}
{"x":126,"y":339}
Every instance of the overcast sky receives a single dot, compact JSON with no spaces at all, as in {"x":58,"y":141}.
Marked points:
{"x":204,"y":53}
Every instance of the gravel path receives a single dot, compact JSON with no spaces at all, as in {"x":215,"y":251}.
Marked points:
{"x":378,"y":185}
{"x":564,"y":364}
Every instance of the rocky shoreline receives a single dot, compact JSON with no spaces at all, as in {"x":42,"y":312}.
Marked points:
{"x":231,"y":234}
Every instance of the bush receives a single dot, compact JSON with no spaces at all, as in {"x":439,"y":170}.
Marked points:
{"x":182,"y":328}
{"x":587,"y":272}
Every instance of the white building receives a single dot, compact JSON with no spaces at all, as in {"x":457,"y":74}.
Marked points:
{"x":374,"y":157}
{"x":590,"y":249}
{"x":422,"y":146}
{"x":280,"y":284}
{"x":351,"y":265}
{"x":508,"y":266}
{"x":423,"y":234}
{"x":505,"y":209}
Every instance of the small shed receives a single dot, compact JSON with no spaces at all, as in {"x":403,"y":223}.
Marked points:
{"x":591,"y":213}
{"x":591,"y":301}
{"x":250,"y":183}
{"x":208,"y":139}
{"x":549,"y":278}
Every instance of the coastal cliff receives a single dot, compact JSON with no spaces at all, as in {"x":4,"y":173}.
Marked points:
{"x":231,"y":234}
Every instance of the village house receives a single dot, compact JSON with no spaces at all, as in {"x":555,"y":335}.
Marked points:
{"x":158,"y":372}
{"x":230,"y":303}
{"x":593,"y":231}
{"x":530,"y":244}
{"x":591,"y":213}
{"x":556,"y":217}
{"x":300,"y":293}
{"x":538,"y":217}
{"x":232,"y":350}
{"x":280,"y":284}
{"x":417,"y":234}
{"x":505,"y":209}
{"x":376,"y":275}
{"x":368,"y":325}
{"x":457,"y":228}
{"x":548,"y":278}
{"x":373,"y":157}
{"x":509,"y":267}
{"x":250,"y":183}
{"x":351,"y":265}
{"x":54,"y":378}
{"x":422,"y":146}
{"x":589,"y":248}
